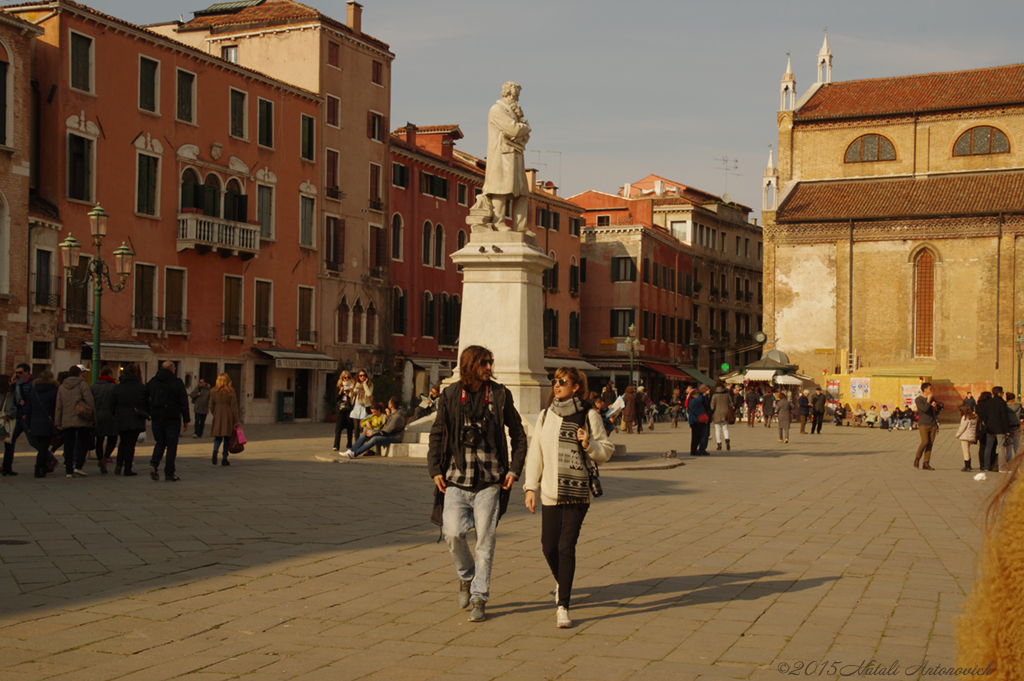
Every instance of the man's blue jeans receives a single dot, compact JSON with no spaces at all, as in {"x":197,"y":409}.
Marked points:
{"x":165,"y":433}
{"x":364,"y":444}
{"x":464,"y":510}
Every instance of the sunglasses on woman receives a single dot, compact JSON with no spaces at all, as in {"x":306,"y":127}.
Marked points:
{"x":562,"y":382}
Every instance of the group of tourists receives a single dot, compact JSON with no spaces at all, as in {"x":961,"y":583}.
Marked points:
{"x":64,"y":413}
{"x":993,"y":423}
{"x":356,"y":411}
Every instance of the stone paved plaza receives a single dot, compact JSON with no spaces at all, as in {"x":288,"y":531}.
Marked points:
{"x":829,"y":549}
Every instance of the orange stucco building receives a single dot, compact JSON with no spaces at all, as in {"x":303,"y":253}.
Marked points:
{"x":207,"y":171}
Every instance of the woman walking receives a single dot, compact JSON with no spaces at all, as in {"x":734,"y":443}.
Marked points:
{"x":343,"y":420}
{"x":721,"y":402}
{"x":106,"y":433}
{"x":784,"y":413}
{"x":362,"y":399}
{"x":40,"y":407}
{"x":129,"y":402}
{"x":629,"y":409}
{"x":75,"y":421}
{"x":568,"y":440}
{"x":224,"y":407}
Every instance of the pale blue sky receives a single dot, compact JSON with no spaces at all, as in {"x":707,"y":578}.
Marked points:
{"x":623,"y":89}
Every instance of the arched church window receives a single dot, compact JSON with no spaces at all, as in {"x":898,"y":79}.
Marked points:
{"x":869,"y":148}
{"x":924,"y":304}
{"x":981,"y":140}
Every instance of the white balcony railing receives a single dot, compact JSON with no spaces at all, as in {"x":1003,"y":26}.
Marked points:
{"x":206,"y":233}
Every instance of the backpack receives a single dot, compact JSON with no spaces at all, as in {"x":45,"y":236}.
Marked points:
{"x":1014,"y":418}
{"x":162,"y":397}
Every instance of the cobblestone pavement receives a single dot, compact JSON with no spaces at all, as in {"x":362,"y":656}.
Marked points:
{"x":829,"y":549}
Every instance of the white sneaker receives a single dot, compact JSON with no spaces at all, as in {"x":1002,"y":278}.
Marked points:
{"x":80,"y":472}
{"x":562,"y":618}
{"x":347,"y":454}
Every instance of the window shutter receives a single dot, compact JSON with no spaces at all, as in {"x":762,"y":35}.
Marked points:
{"x":555,"y":220}
{"x":425,"y":182}
{"x":632,"y":269}
{"x":369,"y":124}
{"x":188,"y":188}
{"x":583,"y":270}
{"x":241,"y":208}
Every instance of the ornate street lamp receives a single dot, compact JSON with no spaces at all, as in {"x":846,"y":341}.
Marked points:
{"x":98,"y":272}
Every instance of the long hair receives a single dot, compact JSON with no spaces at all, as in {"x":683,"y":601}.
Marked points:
{"x":46,"y":378}
{"x":469,"y":362}
{"x":223,"y":384}
{"x":342,"y":377}
{"x":577,"y":377}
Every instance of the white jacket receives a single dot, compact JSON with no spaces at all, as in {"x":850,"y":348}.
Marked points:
{"x":968,"y":429}
{"x":542,"y":457}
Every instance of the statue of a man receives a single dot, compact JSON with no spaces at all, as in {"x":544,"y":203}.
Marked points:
{"x":505,"y":179}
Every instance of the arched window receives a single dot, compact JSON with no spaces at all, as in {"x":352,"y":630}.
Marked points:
{"x":980,"y":141}
{"x":428,"y":243}
{"x":553,"y":272}
{"x":358,"y":323}
{"x":211,"y":196}
{"x":574,"y":282}
{"x":428,"y":315}
{"x":343,"y":331}
{"x":868,"y":148}
{"x":371,"y":324}
{"x":924,"y":304}
{"x":439,"y":246}
{"x":397,"y":245}
{"x":443,"y":320}
{"x":456,"y":318}
{"x":398,"y":322}
{"x":461,"y":241}
{"x":235,"y":204}
{"x":191,"y":192}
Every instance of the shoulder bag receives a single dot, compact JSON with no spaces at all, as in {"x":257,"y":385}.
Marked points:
{"x":82,"y":408}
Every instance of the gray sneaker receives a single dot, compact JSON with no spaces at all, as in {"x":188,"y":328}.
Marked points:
{"x":476,"y":611}
{"x":463,"y":598}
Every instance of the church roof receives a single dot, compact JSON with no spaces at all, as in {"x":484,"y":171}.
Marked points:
{"x":936,"y":196}
{"x":974,"y":89}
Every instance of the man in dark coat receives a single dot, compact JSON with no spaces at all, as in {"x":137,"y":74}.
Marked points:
{"x":997,"y":425}
{"x":818,"y":405}
{"x":129,"y":403}
{"x":752,"y":399}
{"x":168,"y":403}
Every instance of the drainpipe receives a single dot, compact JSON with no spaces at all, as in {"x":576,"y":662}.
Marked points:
{"x":999,"y":279}
{"x":849,"y":301}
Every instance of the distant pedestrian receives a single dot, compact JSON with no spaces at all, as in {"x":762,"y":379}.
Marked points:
{"x":38,"y":413}
{"x":75,"y":417}
{"x":675,"y":407}
{"x":224,"y":406}
{"x":751,"y":399}
{"x":106,"y":431}
{"x":168,"y":403}
{"x":784,"y":412}
{"x":643,"y":407}
{"x":343,"y":410}
{"x":129,"y":403}
{"x":200,"y":406}
{"x":721,"y":404}
{"x":928,"y":409}
{"x":819,"y":403}
{"x":629,"y":409}
{"x":997,"y":426}
{"x":967,"y":433}
{"x":609,"y":395}
{"x":1013,"y":445}
{"x":804,"y":410}
{"x":362,"y":399}
{"x":768,"y":407}
{"x":21,"y":384}
{"x":970,"y":402}
{"x":698,"y":412}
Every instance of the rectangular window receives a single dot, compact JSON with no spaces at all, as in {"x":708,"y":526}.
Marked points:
{"x":399,"y":175}
{"x":174,"y":300}
{"x":556,"y":219}
{"x":645,"y":324}
{"x":307,"y":211}
{"x":260,"y":382}
{"x":76,"y":308}
{"x":760,"y":253}
{"x":145,"y":291}
{"x":375,"y":126}
{"x":574,"y":226}
{"x":672,"y":280}
{"x":81,"y":62}
{"x":332,"y":173}
{"x":229,"y":53}
{"x":689,"y":285}
{"x":377,"y":73}
{"x":333,"y":54}
{"x":262,"y":325}
{"x":543,"y":217}
{"x":237,"y":105}
{"x":656,"y":280}
{"x":333,"y":111}
{"x":265,"y":123}
{"x":436,"y":186}
{"x":378,"y":248}
{"x":47,"y":285}
{"x":463,"y":196}
{"x":647,"y":271}
{"x":375,"y":197}
{"x":746,"y":248}
{"x":583,"y":270}
{"x":621,"y":321}
{"x":305,"y":331}
{"x":148,"y":84}
{"x":80,"y":158}
{"x":186,"y":109}
{"x":334,"y":251}
{"x":308,"y":145}
{"x":232,"y":325}
{"x":265,"y":210}
{"x":624,"y":269}
{"x":604,"y":220}
{"x":147,"y":181}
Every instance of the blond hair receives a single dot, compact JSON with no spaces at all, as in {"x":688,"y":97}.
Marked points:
{"x":223,"y":384}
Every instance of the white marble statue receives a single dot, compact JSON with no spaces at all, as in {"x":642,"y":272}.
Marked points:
{"x":505,"y":179}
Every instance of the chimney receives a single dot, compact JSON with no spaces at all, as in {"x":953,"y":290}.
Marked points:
{"x":531,"y":178}
{"x":550,"y":188}
{"x":355,"y":17}
{"x":410,"y":134}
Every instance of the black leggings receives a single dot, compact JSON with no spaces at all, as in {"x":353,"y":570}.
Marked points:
{"x":560,"y":530}
{"x":127,"y":439}
{"x":342,"y":422}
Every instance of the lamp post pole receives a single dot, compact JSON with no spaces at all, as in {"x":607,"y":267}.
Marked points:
{"x":98,"y":271}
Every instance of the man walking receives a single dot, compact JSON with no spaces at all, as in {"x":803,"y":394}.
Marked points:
{"x":804,"y":411}
{"x":752,"y":398}
{"x":997,"y":425}
{"x":168,"y":407}
{"x":928,"y":425}
{"x":473,"y":470}
{"x":698,"y":414}
{"x":768,"y":407}
{"x":19,"y":389}
{"x":201,"y":405}
{"x":818,"y":405}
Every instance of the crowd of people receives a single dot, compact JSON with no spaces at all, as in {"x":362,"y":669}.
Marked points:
{"x":65,"y":414}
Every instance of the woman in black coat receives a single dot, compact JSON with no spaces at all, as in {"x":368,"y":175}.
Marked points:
{"x":129,"y":403}
{"x":40,"y":407}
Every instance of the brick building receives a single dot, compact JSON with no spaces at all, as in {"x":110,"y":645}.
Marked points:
{"x":682,"y":266}
{"x":351,"y":72}
{"x":206,"y":172}
{"x":892,"y":247}
{"x":16,"y":304}
{"x":433,"y":187}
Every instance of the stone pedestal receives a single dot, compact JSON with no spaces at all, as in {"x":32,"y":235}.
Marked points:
{"x":502,"y":309}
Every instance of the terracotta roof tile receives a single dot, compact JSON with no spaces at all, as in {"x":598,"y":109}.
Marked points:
{"x":273,"y":12}
{"x":905,"y":197}
{"x":918,"y":93}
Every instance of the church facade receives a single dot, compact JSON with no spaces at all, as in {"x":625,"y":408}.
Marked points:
{"x":894,"y":232}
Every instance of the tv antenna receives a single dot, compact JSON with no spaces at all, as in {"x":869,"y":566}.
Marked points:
{"x":731,"y":166}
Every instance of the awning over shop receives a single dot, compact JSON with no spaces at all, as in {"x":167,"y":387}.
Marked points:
{"x":760,"y":374}
{"x":113,"y":351}
{"x":698,"y":376}
{"x":301,"y":359}
{"x":784,"y":379}
{"x":670,"y":371}
{"x":557,"y":362}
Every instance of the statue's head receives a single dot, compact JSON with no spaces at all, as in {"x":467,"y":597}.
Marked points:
{"x":511,"y":89}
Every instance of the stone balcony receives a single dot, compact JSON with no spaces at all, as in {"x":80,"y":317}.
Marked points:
{"x":227,"y":237}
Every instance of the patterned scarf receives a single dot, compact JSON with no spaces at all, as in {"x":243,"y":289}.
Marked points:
{"x":573,"y":477}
